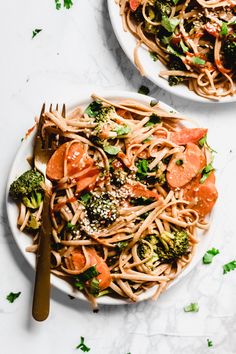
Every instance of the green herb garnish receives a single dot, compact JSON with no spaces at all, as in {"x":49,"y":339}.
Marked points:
{"x":142,"y":201}
{"x":179,"y":162}
{"x":122,"y":244}
{"x":83,"y":346}
{"x":169,"y":23}
{"x":193,"y":307}
{"x":111,"y":150}
{"x":209,"y":343}
{"x":35,"y":32}
{"x":229,"y":266}
{"x":94,"y":287}
{"x":198,"y":61}
{"x":144,"y":90}
{"x":85,"y":197}
{"x":206,"y":172}
{"x":13,"y":296}
{"x":142,"y":166}
{"x":208,"y":256}
{"x":224,"y":29}
{"x":153,"y":119}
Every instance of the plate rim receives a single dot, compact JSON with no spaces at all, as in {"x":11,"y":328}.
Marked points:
{"x":126,"y":38}
{"x":59,"y":283}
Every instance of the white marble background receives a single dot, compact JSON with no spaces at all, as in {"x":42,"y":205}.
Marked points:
{"x":77,"y":50}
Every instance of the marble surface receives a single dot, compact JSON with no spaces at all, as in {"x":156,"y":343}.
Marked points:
{"x":77,"y":50}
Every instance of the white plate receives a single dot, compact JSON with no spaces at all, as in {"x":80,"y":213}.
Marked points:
{"x":20,"y":165}
{"x":151,"y":68}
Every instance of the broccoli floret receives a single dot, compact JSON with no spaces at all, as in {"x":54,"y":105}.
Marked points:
{"x":229,"y":49}
{"x":175,"y":80}
{"x":104,"y":114}
{"x":33,"y":223}
{"x":28,"y":188}
{"x":102,"y":209}
{"x":167,"y":247}
{"x":33,"y":200}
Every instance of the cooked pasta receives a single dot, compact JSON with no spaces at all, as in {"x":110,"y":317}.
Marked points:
{"x":194,"y":39}
{"x":131,"y":186}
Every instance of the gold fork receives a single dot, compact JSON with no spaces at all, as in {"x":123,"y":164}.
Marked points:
{"x":41,"y":297}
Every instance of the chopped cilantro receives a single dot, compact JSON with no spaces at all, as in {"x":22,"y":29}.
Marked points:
{"x":179,"y":162}
{"x":94,"y":287}
{"x":198,"y":61}
{"x":70,"y":226}
{"x":169,"y":23}
{"x":83,"y":346}
{"x":142,"y":166}
{"x":224,"y":29}
{"x":203,"y":140}
{"x":206,"y":172}
{"x":144,"y":90}
{"x":229,"y":266}
{"x":153,"y":119}
{"x":208,"y":256}
{"x":183,"y":46}
{"x":85,"y":197}
{"x":35,"y":32}
{"x":111,"y":150}
{"x":121,"y":245}
{"x":153,"y":55}
{"x":193,"y":307}
{"x":67,"y":4}
{"x":13,"y":296}
{"x":209,"y":343}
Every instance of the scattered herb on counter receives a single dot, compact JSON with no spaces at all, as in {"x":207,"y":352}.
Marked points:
{"x":229,"y":266}
{"x":144,"y":90}
{"x":13,"y":296}
{"x":193,"y":307}
{"x":208,"y":256}
{"x":36,"y":31}
{"x":83,"y":346}
{"x":67,"y":4}
{"x":209,"y":343}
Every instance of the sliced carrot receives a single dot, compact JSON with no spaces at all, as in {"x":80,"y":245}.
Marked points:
{"x":124,"y":159}
{"x":178,"y":175}
{"x":134,"y":4}
{"x":87,"y":182}
{"x":78,"y":260}
{"x":123,"y":113}
{"x":202,"y":197}
{"x":187,"y":135}
{"x":55,"y":166}
{"x":138,"y":190}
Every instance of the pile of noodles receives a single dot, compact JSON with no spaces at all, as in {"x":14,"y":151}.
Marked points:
{"x":211,"y":79}
{"x":130,"y":274}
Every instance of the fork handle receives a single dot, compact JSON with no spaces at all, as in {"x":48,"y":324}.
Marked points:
{"x":41,"y":297}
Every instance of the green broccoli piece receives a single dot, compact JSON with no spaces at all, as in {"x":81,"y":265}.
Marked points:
{"x":175,"y":80}
{"x":229,"y":50}
{"x":102,"y":209}
{"x":105,"y":114}
{"x":28,"y":188}
{"x":167,"y":247}
{"x":33,"y":223}
{"x":164,"y":6}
